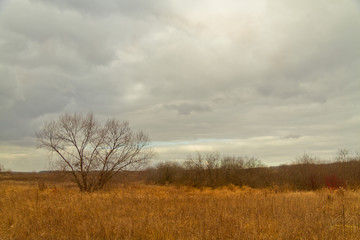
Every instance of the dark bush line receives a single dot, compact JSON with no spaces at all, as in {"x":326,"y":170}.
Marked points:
{"x":213,"y":170}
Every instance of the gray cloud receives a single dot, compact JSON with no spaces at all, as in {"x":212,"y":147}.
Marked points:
{"x":188,"y":108}
{"x":52,"y":38}
{"x":185,"y":71}
{"x":135,"y":8}
{"x":292,"y":136}
{"x":8,"y":88}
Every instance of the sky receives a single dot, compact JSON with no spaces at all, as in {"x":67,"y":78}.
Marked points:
{"x":265,"y":78}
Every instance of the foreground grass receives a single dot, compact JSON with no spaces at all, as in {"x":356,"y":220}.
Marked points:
{"x":155,"y":212}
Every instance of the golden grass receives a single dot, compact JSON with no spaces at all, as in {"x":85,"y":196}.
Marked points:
{"x":168,"y":212}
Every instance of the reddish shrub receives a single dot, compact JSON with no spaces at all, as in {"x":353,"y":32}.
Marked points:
{"x":334,"y":182}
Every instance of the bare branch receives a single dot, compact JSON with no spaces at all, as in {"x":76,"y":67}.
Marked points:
{"x":91,"y":151}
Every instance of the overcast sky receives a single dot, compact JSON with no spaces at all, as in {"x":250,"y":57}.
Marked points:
{"x":266,"y":78}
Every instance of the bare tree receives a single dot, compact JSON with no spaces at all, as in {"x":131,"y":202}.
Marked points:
{"x":3,"y":169}
{"x":343,"y":155}
{"x":91,"y":151}
{"x":307,"y":158}
{"x":214,"y":170}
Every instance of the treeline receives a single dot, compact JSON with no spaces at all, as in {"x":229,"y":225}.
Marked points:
{"x":213,"y":170}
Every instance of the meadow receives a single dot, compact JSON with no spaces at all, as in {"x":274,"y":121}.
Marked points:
{"x":48,"y":210}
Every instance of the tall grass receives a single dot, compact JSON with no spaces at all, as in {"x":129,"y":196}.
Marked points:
{"x":31,"y":211}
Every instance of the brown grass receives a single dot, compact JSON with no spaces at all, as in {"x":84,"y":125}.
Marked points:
{"x":32,"y":211}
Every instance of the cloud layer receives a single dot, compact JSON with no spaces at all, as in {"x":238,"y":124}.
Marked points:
{"x":183,"y":71}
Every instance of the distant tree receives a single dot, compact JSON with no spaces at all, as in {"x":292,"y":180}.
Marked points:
{"x":166,"y":173}
{"x":307,"y":175}
{"x":91,"y":151}
{"x":307,"y":158}
{"x":343,"y":155}
{"x":3,"y":169}
{"x":240,"y":162}
{"x":214,"y":170}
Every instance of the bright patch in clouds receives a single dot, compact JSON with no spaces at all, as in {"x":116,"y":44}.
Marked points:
{"x":260,"y":147}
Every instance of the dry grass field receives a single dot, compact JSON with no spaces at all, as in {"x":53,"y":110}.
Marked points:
{"x":136,"y":211}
